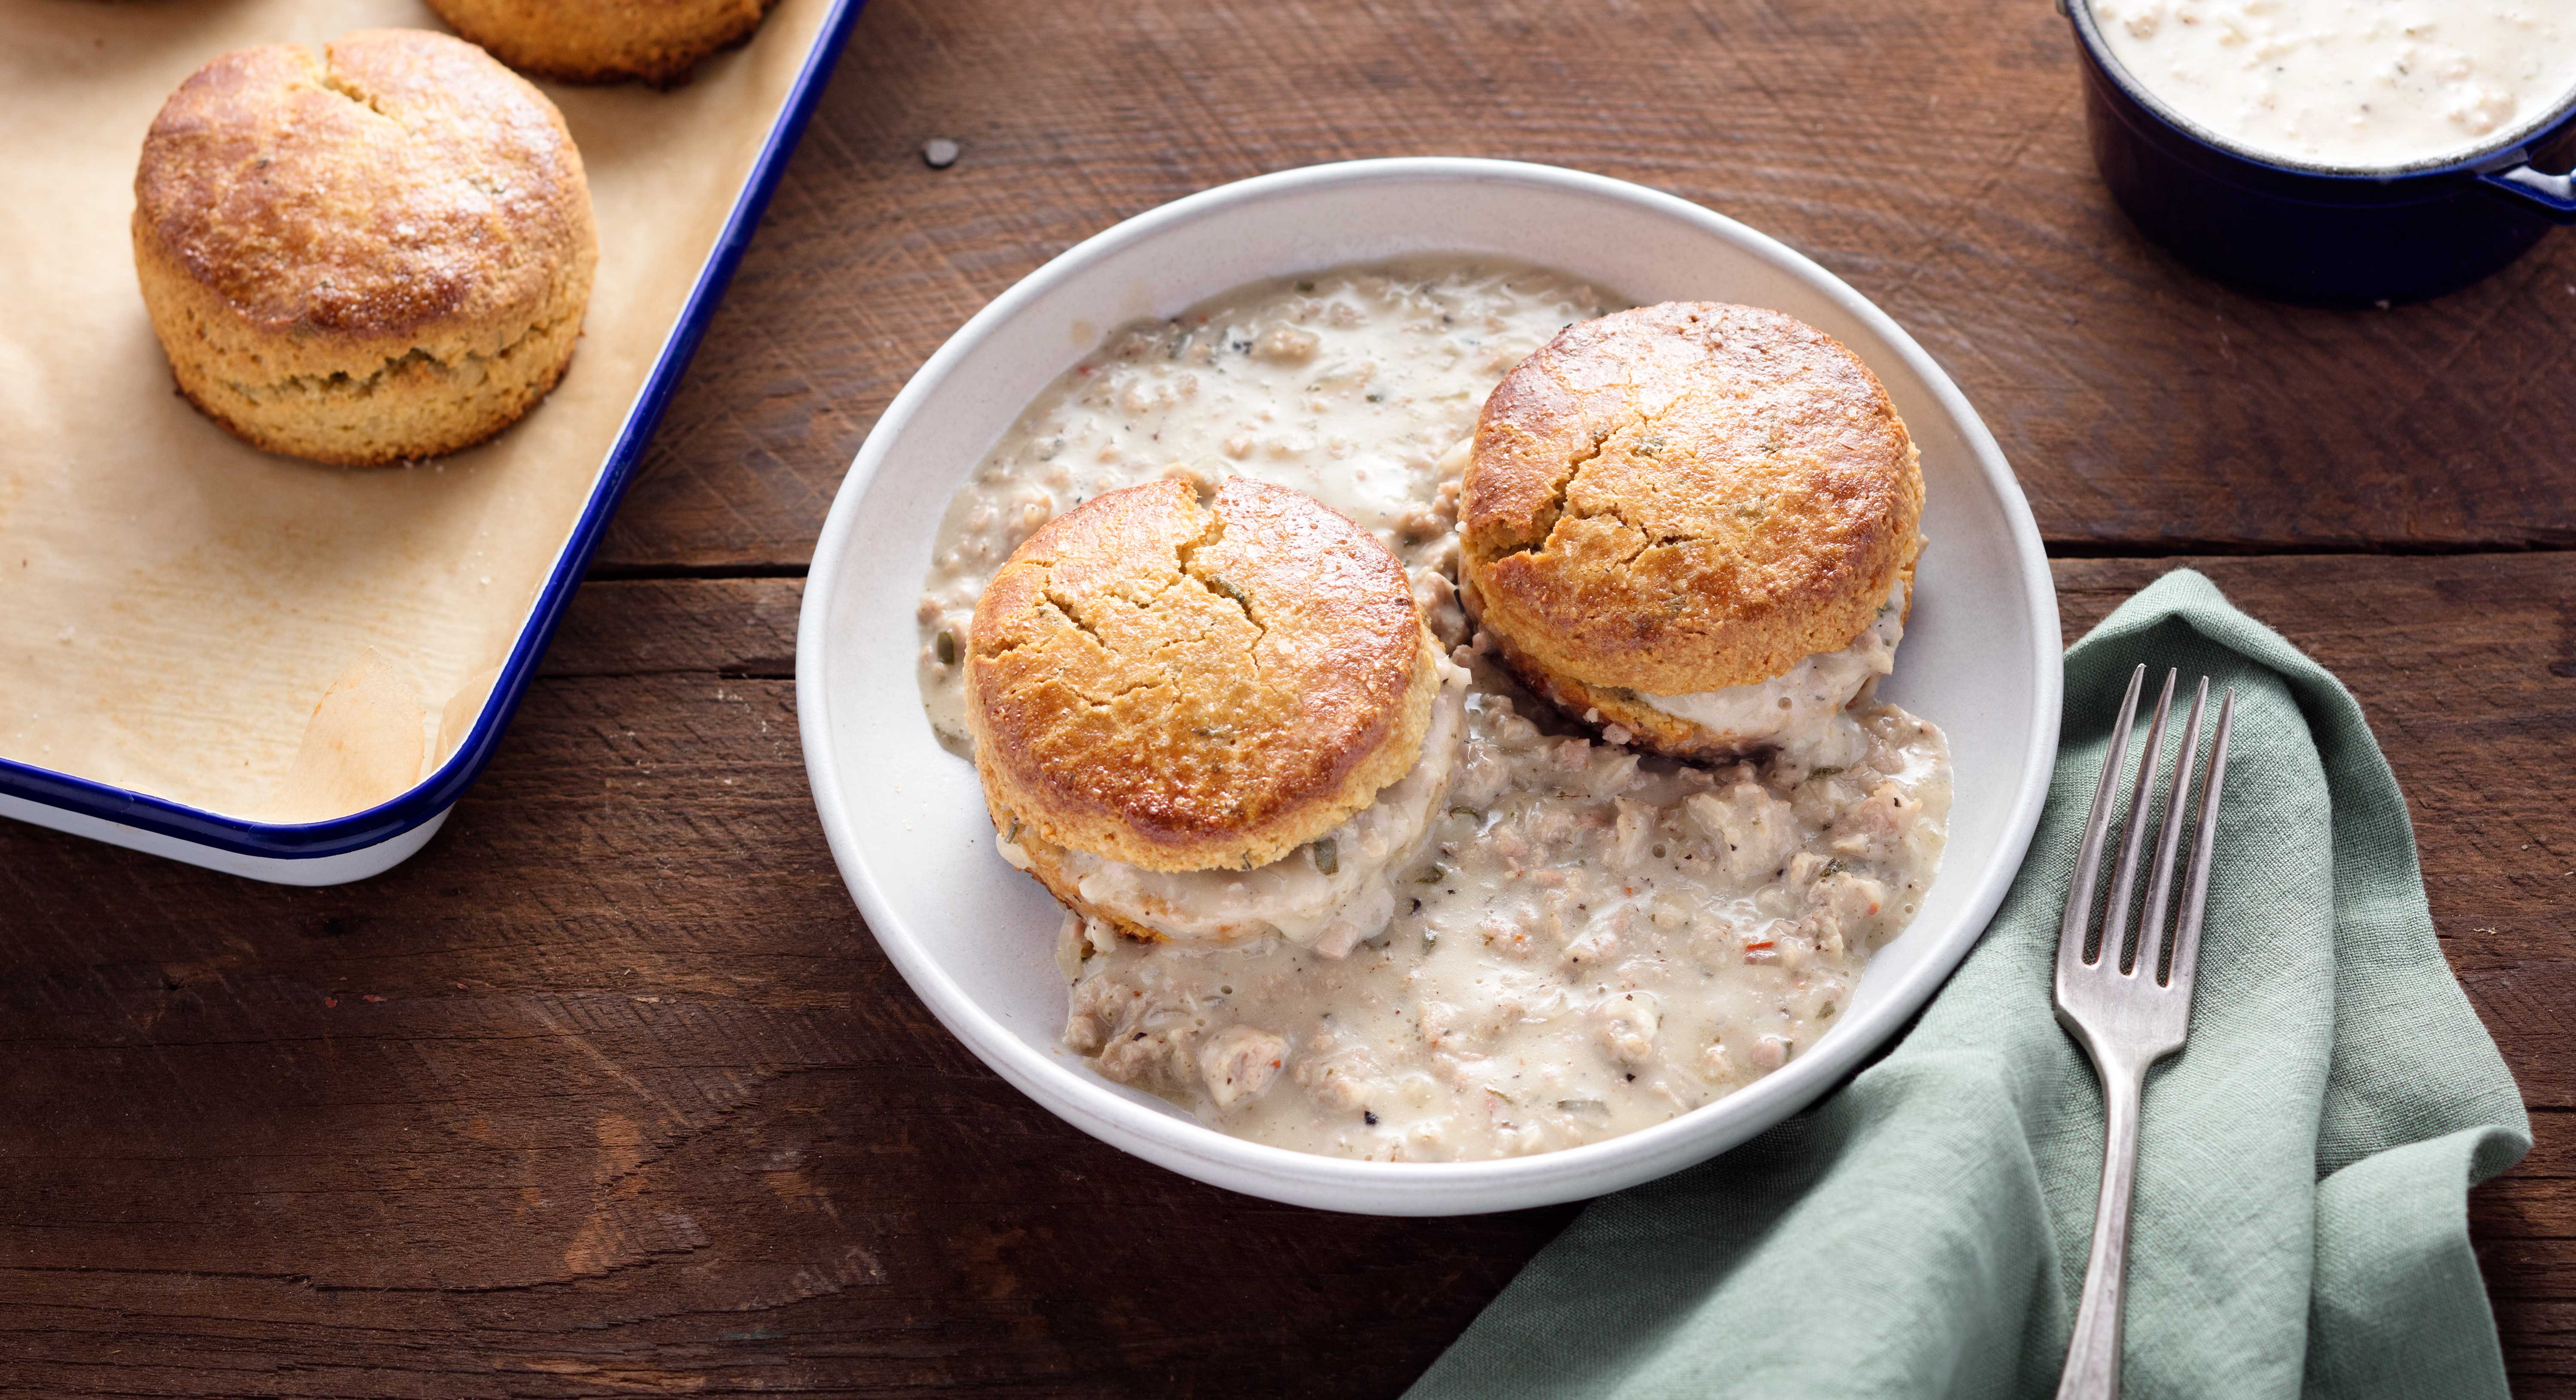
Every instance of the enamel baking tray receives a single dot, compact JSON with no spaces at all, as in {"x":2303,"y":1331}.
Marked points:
{"x":366,"y":842}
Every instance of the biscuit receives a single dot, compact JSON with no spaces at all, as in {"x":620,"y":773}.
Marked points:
{"x":605,"y":41}
{"x":1047,"y":865}
{"x":1682,"y":498}
{"x":1650,"y":727}
{"x":380,"y":255}
{"x":1189,"y":686}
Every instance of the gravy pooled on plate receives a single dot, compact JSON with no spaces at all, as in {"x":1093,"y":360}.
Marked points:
{"x":1577,"y":941}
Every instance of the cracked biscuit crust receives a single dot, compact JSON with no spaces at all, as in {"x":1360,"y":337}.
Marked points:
{"x":1188,"y":686}
{"x":378,"y":255}
{"x":1687,"y":497}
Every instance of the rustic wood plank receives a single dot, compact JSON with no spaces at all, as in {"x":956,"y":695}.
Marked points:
{"x":610,"y":1090}
{"x":1931,"y":153}
{"x":2524,"y":1224}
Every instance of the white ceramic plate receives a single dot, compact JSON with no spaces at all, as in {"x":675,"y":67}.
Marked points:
{"x":975,"y":938}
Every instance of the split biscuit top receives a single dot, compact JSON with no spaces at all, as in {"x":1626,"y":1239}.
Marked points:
{"x":381,"y":253}
{"x":1186,"y":686}
{"x":1683,"y":498}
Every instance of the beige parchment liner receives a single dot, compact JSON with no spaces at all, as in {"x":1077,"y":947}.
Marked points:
{"x":252,"y":634}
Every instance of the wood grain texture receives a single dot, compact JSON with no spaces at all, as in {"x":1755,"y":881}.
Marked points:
{"x":1931,"y":153}
{"x":608,"y":1091}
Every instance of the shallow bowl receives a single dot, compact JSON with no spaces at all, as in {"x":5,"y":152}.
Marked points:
{"x":975,"y":938}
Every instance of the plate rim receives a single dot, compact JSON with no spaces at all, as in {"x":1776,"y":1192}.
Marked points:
{"x":1413,"y":1188}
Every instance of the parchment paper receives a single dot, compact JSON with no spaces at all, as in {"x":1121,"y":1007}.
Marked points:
{"x":175,"y":606}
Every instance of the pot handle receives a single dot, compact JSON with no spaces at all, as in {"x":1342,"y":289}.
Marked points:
{"x":2551,"y":196}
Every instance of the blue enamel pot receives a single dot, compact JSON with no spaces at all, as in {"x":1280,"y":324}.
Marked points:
{"x":2311,"y":234}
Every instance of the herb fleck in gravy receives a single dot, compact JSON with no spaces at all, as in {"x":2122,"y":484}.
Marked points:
{"x":1554,"y":940}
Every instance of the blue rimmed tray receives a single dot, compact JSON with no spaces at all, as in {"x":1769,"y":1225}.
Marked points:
{"x":369,"y":841}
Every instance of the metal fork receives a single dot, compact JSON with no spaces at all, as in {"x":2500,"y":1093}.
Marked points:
{"x":2123,"y":1012}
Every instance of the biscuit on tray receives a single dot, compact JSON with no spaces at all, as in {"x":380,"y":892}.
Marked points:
{"x":605,"y":41}
{"x":378,"y":255}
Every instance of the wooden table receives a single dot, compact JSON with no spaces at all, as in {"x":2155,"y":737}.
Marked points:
{"x":610,"y":1091}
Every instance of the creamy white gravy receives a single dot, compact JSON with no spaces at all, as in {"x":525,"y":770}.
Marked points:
{"x":1794,"y":711}
{"x":2350,"y":84}
{"x":1531,"y":941}
{"x":1350,"y":386}
{"x":1332,"y":894}
{"x":1596,"y":944}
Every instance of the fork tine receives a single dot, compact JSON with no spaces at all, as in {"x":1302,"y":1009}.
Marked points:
{"x":2097,"y":827}
{"x":2151,"y":923}
{"x":2186,"y":958}
{"x":2124,"y":879}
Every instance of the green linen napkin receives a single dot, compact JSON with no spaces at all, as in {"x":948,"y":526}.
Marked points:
{"x":2300,"y":1223}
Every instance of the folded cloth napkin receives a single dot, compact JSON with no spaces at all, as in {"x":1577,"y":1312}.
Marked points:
{"x":2300,"y":1222}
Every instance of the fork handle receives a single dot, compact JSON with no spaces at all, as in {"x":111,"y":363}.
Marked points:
{"x":2093,"y":1358}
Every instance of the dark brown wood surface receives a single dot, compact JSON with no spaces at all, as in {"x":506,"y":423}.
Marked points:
{"x":609,"y":1090}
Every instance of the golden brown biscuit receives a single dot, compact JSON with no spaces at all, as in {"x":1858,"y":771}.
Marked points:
{"x":1047,"y":865}
{"x":1651,"y":728}
{"x":381,"y":255}
{"x":1187,"y":686}
{"x":1682,"y":498}
{"x":605,"y":41}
